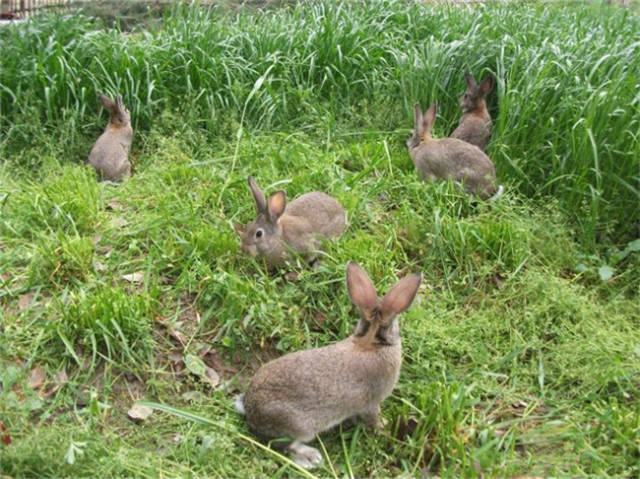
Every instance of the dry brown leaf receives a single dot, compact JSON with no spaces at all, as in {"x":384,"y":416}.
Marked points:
{"x":114,"y":205}
{"x":134,"y":277}
{"x":61,"y":377}
{"x":211,"y":376}
{"x":292,"y":276}
{"x":139,"y":413}
{"x":5,"y":437}
{"x":24,"y":300}
{"x":99,"y":267}
{"x":36,"y":378}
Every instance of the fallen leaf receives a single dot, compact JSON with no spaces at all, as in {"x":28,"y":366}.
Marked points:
{"x":175,"y":357}
{"x":105,"y":250}
{"x":96,"y":240}
{"x":195,"y":364}
{"x":193,"y":396}
{"x":139,"y":413}
{"x":36,"y":378}
{"x":134,"y":277}
{"x":118,"y":222}
{"x":4,"y":437}
{"x":24,"y":300}
{"x":292,"y":276}
{"x":519,"y":403}
{"x":99,"y":267}
{"x":212,"y":377}
{"x":113,"y":205}
{"x":4,"y":277}
{"x":61,"y":377}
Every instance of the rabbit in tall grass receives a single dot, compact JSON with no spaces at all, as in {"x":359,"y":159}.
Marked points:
{"x":110,"y":153}
{"x":283,"y":228}
{"x":304,"y":393}
{"x":445,"y":158}
{"x":475,"y":122}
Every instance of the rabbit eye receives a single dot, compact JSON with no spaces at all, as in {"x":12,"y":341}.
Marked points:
{"x":259,"y":233}
{"x":466,"y":96}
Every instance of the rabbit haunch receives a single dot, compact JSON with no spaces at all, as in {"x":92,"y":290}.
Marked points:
{"x":304,"y":393}
{"x":110,"y":153}
{"x":443,"y":158}
{"x":475,"y":122}
{"x":299,"y":226}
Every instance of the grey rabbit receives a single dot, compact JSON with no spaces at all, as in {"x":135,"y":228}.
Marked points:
{"x":475,"y":122}
{"x":304,"y":393}
{"x":443,"y":158}
{"x":282,"y":228}
{"x":110,"y":153}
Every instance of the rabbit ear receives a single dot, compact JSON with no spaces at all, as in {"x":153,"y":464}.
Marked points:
{"x":107,"y":102}
{"x":277,"y":203}
{"x":417,"y":118}
{"x":471,"y":82}
{"x":430,"y":117}
{"x":361,"y":290}
{"x":239,"y":228}
{"x":400,"y":297}
{"x":487,"y":85}
{"x":119,"y":102}
{"x":258,"y":195}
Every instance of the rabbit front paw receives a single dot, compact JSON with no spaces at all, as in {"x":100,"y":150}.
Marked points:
{"x":305,"y":456}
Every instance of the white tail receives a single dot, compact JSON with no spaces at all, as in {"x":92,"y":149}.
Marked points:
{"x":239,"y":403}
{"x":498,"y":193}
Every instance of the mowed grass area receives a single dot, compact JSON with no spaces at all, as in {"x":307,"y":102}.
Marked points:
{"x":522,"y":351}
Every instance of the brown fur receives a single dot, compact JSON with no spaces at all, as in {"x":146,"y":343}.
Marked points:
{"x":283,"y":228}
{"x":110,"y":153}
{"x":440,"y":159}
{"x":475,"y":122}
{"x":304,"y":393}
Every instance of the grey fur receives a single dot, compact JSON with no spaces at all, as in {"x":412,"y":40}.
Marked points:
{"x":110,"y":153}
{"x":475,"y":122}
{"x":304,"y":393}
{"x":299,"y":226}
{"x":440,"y":159}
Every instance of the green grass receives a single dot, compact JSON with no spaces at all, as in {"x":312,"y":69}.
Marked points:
{"x":518,"y":357}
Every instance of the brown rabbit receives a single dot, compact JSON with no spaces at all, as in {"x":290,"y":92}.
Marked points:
{"x":304,"y":393}
{"x":475,"y":122}
{"x":298,"y":227}
{"x":110,"y":154}
{"x":449,"y":157}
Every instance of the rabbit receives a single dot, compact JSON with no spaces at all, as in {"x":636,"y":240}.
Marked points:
{"x":282,"y":228}
{"x":449,"y":157}
{"x":110,"y":153}
{"x":475,"y":122}
{"x":306,"y":392}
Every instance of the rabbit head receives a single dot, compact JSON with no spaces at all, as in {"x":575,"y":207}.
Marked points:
{"x":422,"y":125}
{"x":119,"y":115}
{"x":263,"y":236}
{"x":473,"y":98}
{"x":377,"y":325}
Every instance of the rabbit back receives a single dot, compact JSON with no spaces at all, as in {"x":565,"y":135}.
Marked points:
{"x":307,"y":392}
{"x":110,"y":154}
{"x":321,"y":213}
{"x":462,"y":162}
{"x":474,"y":129}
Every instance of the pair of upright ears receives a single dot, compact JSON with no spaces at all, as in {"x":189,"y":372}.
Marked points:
{"x":273,"y":207}
{"x":364,"y":295}
{"x":486,"y":85}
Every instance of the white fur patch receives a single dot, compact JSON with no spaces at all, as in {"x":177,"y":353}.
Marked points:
{"x":239,"y":404}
